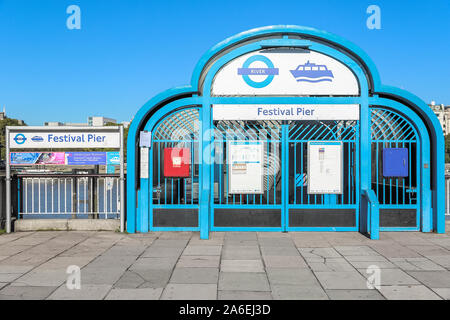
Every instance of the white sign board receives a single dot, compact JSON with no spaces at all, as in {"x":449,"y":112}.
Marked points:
{"x":245,"y":167}
{"x":286,"y":112}
{"x":325,"y":167}
{"x":67,"y":139}
{"x":144,"y":163}
{"x":288,"y":72}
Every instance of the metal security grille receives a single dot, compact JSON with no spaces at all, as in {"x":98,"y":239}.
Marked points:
{"x":178,"y":130}
{"x":269,"y":132}
{"x":391,"y":130}
{"x":300,"y":133}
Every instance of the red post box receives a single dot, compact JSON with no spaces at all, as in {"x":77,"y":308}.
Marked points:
{"x":177,"y":162}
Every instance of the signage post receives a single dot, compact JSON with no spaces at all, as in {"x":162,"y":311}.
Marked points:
{"x":8,"y":185}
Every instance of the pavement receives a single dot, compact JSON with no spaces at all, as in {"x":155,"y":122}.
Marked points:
{"x":230,"y":265}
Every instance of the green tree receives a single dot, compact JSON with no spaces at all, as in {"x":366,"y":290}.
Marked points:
{"x":3,"y":124}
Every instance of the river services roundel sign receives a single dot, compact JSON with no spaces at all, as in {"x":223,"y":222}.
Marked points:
{"x":268,"y":72}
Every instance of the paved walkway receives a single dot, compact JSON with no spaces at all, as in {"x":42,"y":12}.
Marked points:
{"x":228,"y":266}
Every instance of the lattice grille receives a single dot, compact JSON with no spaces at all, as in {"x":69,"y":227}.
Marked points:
{"x":388,"y":125}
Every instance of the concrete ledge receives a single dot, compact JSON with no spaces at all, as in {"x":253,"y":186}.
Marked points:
{"x":67,"y":224}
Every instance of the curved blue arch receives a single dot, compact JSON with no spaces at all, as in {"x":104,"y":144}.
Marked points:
{"x":372,"y":90}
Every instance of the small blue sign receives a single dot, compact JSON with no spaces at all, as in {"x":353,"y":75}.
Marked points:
{"x":113,"y":158}
{"x":270,"y":72}
{"x":20,"y":138}
{"x":86,"y":158}
{"x":395,"y":162}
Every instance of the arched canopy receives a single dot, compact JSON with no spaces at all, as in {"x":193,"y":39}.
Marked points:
{"x":296,"y":38}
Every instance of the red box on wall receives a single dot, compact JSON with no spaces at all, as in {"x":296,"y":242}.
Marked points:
{"x":177,"y":162}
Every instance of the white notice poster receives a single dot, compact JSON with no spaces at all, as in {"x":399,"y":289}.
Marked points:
{"x":325,"y":167}
{"x":144,"y":163}
{"x":245,"y":167}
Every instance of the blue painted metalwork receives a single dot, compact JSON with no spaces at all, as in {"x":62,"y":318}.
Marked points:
{"x":372,"y":92}
{"x":391,"y":130}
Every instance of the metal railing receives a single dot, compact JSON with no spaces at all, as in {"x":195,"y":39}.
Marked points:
{"x":69,"y":196}
{"x":447,"y":196}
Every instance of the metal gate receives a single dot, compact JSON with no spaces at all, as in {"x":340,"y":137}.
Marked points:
{"x":322,"y":211}
{"x":399,"y":196}
{"x":284,"y":203}
{"x":175,"y":199}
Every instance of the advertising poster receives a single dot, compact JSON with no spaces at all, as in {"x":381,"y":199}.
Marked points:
{"x":86,"y":158}
{"x":245,"y":167}
{"x":37,"y":158}
{"x":325,"y":167}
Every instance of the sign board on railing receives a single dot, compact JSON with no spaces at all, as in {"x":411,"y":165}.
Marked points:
{"x":72,"y":138}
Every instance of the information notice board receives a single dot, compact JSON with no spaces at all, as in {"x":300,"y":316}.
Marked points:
{"x":325,"y":167}
{"x":245,"y":167}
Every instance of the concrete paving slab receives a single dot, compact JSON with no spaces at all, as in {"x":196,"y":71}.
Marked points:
{"x":275,"y":242}
{"x":331,"y":264}
{"x":243,"y":281}
{"x":198,"y":262}
{"x":367,"y":264}
{"x":444,"y":293}
{"x":392,"y":277}
{"x":284,"y":262}
{"x":319,"y":253}
{"x":161,"y":252}
{"x":241,"y":266}
{"x":154,"y":278}
{"x":356,"y":251}
{"x":154,"y":263}
{"x":341,"y":280}
{"x":280,"y":251}
{"x":86,"y":292}
{"x":25,"y":293}
{"x":354,"y":294}
{"x":178,"y":291}
{"x":432,"y":279}
{"x":416,"y":292}
{"x":296,"y":292}
{"x":241,"y":253}
{"x":241,"y":235}
{"x":9,"y":277}
{"x":288,"y":276}
{"x":170,"y":243}
{"x":244,"y":295}
{"x":129,"y":280}
{"x":101,"y":276}
{"x":202,"y":250}
{"x":416,"y":264}
{"x":195,"y":275}
{"x":134,"y":294}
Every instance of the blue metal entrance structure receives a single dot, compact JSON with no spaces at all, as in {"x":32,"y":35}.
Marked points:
{"x":389,"y":118}
{"x":398,"y":197}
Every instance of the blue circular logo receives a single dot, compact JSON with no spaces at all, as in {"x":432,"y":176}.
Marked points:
{"x":20,"y":138}
{"x":269,"y":72}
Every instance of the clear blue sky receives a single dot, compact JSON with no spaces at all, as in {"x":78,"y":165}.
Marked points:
{"x":129,"y":50}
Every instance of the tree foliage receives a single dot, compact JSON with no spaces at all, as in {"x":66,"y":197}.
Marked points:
{"x":3,"y":124}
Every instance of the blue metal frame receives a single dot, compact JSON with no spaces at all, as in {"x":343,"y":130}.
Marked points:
{"x":371,"y":92}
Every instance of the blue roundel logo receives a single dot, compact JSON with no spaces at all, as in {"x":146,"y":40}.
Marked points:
{"x":20,"y":138}
{"x":266,"y":74}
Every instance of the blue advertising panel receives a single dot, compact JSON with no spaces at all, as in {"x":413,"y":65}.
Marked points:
{"x":23,"y":158}
{"x":86,"y":158}
{"x":113,"y":158}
